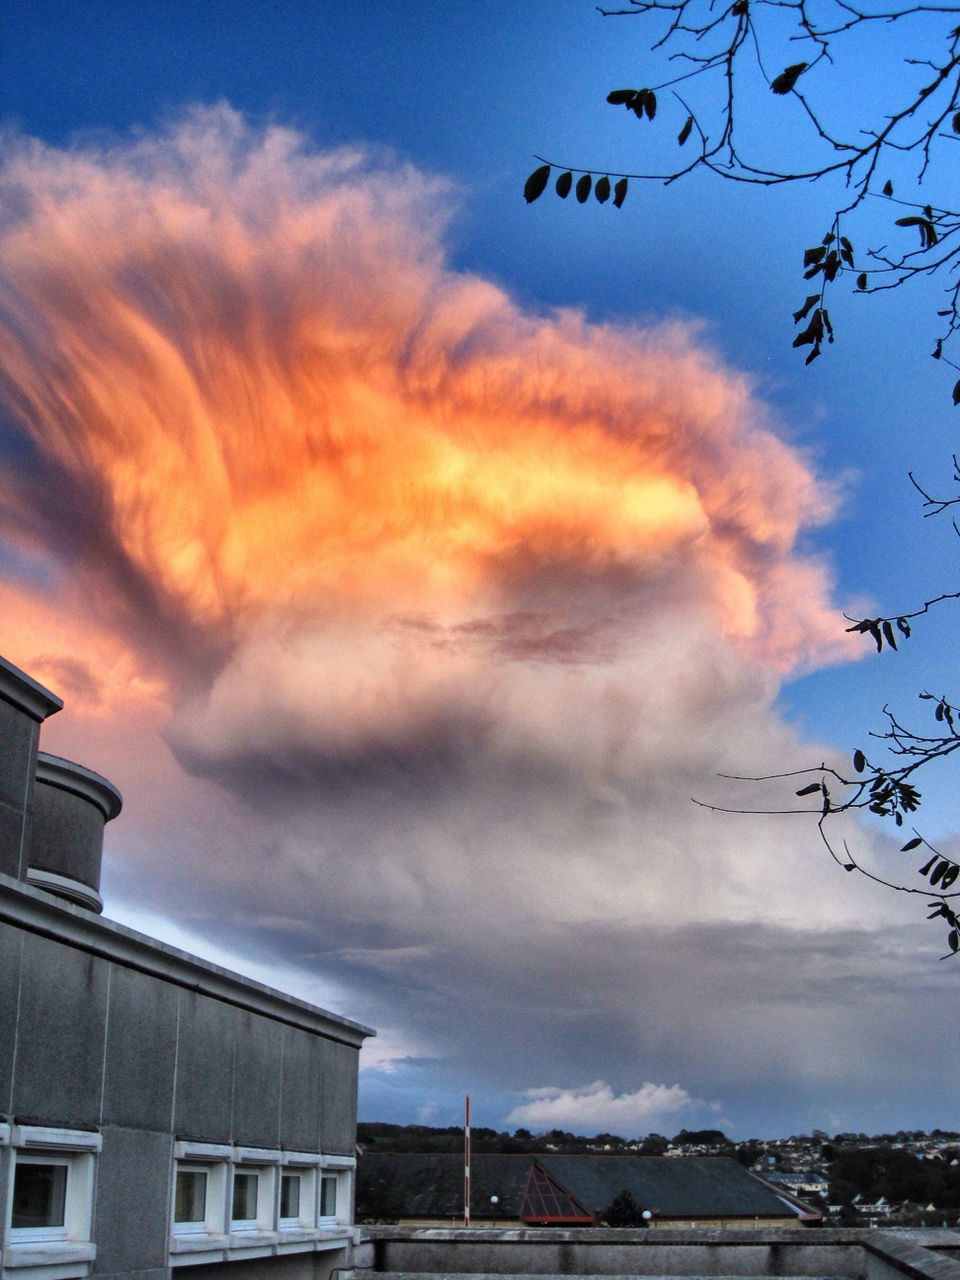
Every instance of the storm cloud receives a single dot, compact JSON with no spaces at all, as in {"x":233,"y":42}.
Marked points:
{"x":409,"y":622}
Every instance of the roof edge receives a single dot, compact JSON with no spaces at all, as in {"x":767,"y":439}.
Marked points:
{"x":38,"y":912}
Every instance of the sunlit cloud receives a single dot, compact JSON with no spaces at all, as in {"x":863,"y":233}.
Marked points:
{"x":408,"y":620}
{"x":595,"y":1108}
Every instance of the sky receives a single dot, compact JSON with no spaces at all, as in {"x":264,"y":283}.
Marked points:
{"x":412,"y":558}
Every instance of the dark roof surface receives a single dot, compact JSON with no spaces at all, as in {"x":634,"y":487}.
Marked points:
{"x":407,"y":1185}
{"x":403,"y":1184}
{"x":714,"y":1186}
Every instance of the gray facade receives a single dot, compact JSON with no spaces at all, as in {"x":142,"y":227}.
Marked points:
{"x":156,"y":1111}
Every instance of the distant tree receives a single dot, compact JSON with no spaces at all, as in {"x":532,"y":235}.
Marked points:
{"x":623,"y":1211}
{"x":748,"y":1153}
{"x":654,"y":1144}
{"x":713,"y":71}
{"x":702,"y":1138}
{"x":607,"y":1140}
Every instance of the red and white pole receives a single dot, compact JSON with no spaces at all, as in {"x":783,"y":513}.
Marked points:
{"x":466,"y":1166}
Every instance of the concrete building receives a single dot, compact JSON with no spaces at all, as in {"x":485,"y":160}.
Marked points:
{"x":156,"y":1111}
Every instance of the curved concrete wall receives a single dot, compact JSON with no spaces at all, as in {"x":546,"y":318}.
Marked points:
{"x":69,"y":809}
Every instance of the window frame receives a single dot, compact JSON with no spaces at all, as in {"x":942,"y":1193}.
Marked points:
{"x":342,"y":1169}
{"x":208,"y":1224}
{"x":44,"y":1159}
{"x":261,"y":1163}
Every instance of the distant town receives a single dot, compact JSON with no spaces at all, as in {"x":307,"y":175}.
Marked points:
{"x":909,"y":1178}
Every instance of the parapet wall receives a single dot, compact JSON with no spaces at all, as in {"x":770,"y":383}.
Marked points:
{"x":553,"y":1252}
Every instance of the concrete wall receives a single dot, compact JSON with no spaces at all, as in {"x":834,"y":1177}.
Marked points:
{"x":554,"y":1252}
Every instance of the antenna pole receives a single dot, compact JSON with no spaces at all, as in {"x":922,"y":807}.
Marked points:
{"x":466,"y":1166}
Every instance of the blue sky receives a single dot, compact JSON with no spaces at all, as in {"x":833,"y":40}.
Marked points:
{"x":724,"y":972}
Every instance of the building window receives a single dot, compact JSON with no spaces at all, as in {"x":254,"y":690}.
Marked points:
{"x":328,"y":1196}
{"x":253,"y":1194}
{"x":298,"y":1191}
{"x":334,"y":1193}
{"x":245,"y":1190}
{"x":199,"y":1193}
{"x":40,"y":1196}
{"x":290,"y":1197}
{"x":190,"y":1199}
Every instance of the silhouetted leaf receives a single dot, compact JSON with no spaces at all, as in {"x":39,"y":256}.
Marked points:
{"x":639,"y":105}
{"x":862,"y":280}
{"x":859,"y":761}
{"x":535,"y":184}
{"x":911,"y":844}
{"x":812,"y":300}
{"x":928,"y":234}
{"x":909,"y":797}
{"x":956,"y":393}
{"x":813,"y":332}
{"x":619,"y":192}
{"x":925,"y":869}
{"x":956,"y":123}
{"x":650,"y":104}
{"x":602,"y":190}
{"x":816,"y":254}
{"x":953,"y":938}
{"x":849,"y":866}
{"x":904,"y":626}
{"x":564,"y":183}
{"x":889,"y":636}
{"x":949,"y":876}
{"x":809,"y":789}
{"x":888,"y":188}
{"x":584,"y":184}
{"x":684,"y":133}
{"x":788,"y":78}
{"x":938,"y":349}
{"x":622,"y":97}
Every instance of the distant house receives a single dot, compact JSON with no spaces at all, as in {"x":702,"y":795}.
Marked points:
{"x":156,"y":1112}
{"x":560,"y":1190}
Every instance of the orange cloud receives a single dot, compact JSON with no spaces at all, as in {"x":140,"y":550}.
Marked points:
{"x":258,"y":387}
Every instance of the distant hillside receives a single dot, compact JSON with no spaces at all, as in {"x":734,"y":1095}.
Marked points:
{"x":375,"y":1136}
